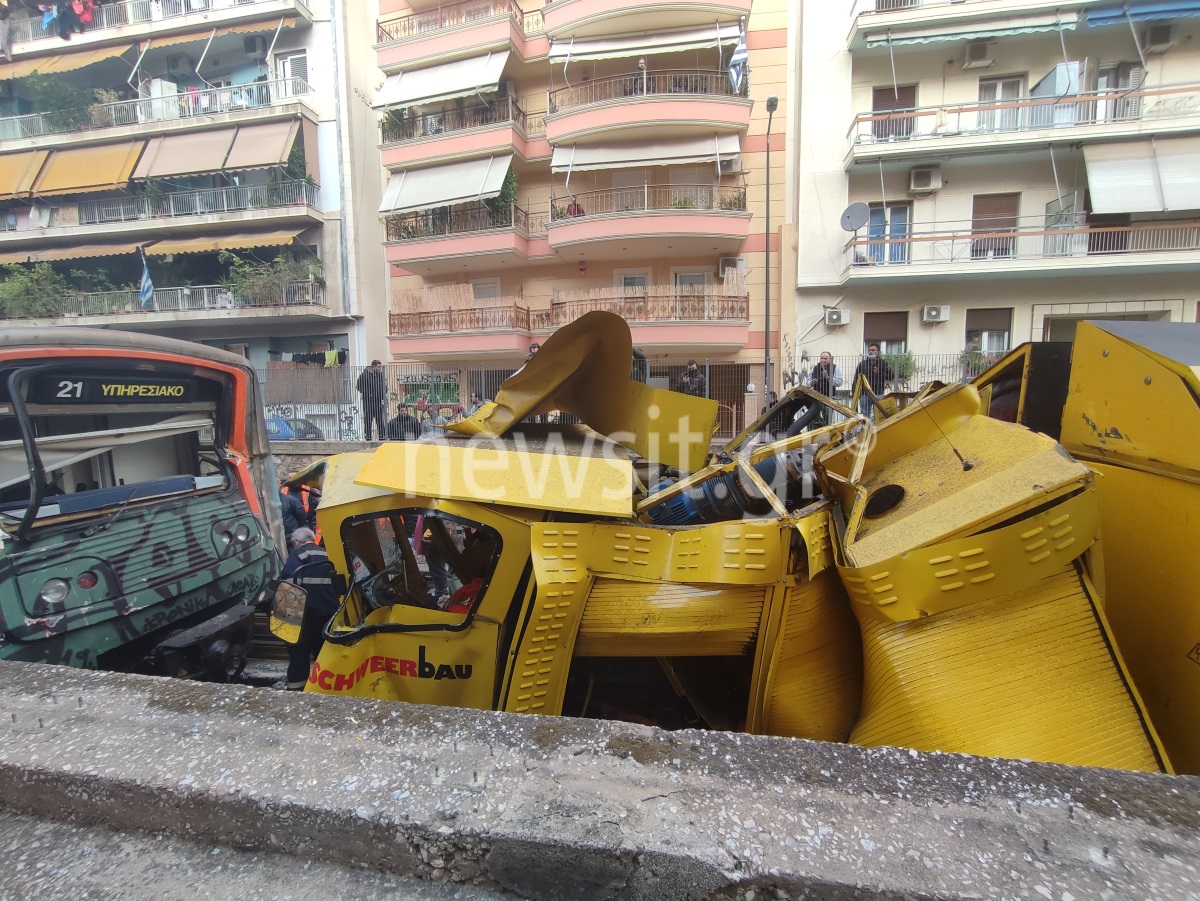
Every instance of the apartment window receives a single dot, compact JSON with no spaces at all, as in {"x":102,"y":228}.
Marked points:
{"x":485,"y":288}
{"x":692,"y":278}
{"x":1062,"y":81}
{"x":888,"y":231}
{"x":989,"y":330}
{"x":292,"y":71}
{"x":887,"y":330}
{"x":998,"y":103}
{"x":897,"y":100}
{"x":995,"y":216}
{"x":1114,"y":82}
{"x":633,"y":281}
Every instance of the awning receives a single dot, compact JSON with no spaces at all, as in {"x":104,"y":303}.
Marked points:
{"x":422,"y":189}
{"x":628,"y":156}
{"x":638,"y":45}
{"x":18,"y":171}
{"x":258,"y":146}
{"x":1144,"y":176}
{"x":66,"y":62}
{"x":1148,"y":12}
{"x":222,"y":242}
{"x":955,"y":31}
{"x":460,"y":78}
{"x":82,"y":169}
{"x":77,"y":252}
{"x":192,"y":37}
{"x":185,"y":154}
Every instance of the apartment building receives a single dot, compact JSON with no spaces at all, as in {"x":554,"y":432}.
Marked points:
{"x":219,"y":141}
{"x":973,"y":174}
{"x":548,"y":159}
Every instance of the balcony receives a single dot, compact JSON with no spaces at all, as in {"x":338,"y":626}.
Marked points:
{"x":257,"y":100}
{"x":472,"y":131}
{"x":467,"y":237}
{"x":458,"y":29}
{"x":138,"y":17}
{"x":581,"y":18}
{"x":963,"y":250}
{"x":880,"y":16}
{"x":651,"y":221}
{"x":192,"y":303}
{"x":683,"y":102}
{"x":986,"y":127}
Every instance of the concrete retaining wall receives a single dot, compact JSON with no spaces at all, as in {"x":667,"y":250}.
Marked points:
{"x":552,"y":808}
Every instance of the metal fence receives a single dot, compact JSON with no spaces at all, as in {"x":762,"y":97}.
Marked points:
{"x":679,"y":198}
{"x":198,"y":203}
{"x":395,"y":130}
{"x":674,"y":81}
{"x":124,"y":12}
{"x":457,"y":220}
{"x":454,"y":15}
{"x":192,"y":298}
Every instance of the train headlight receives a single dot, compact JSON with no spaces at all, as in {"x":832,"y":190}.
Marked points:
{"x":55,"y":591}
{"x":242,"y":533}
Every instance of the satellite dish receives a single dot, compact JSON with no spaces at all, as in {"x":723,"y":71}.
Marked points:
{"x":856,"y":216}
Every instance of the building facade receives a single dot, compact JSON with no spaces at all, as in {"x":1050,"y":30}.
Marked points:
{"x":218,"y":141}
{"x":973,"y":174}
{"x":545,"y":160}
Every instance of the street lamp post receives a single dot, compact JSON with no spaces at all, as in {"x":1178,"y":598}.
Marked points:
{"x":772,"y":105}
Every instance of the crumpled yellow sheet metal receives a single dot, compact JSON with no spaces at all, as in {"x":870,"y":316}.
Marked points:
{"x":584,"y":369}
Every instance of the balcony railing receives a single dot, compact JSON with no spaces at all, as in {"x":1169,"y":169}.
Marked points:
{"x":454,"y":15}
{"x":194,"y":298}
{"x":461,"y":220}
{"x":125,"y":12}
{"x":630,"y":87}
{"x":677,"y":198}
{"x":397,"y":130}
{"x":458,"y":321}
{"x":184,"y":106}
{"x":1162,"y":103}
{"x":1031,"y":239}
{"x":199,"y":203}
{"x":869,"y":7}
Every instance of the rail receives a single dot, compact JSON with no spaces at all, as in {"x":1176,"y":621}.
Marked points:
{"x":704,"y":82}
{"x":454,"y":15}
{"x":192,"y":298}
{"x":870,"y":7}
{"x":457,"y":321}
{"x":1159,"y":103}
{"x":444,"y":221}
{"x":397,"y":130}
{"x":199,"y":203}
{"x":124,"y":12}
{"x":680,"y":198}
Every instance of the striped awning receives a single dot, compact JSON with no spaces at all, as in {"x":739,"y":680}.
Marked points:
{"x":222,"y":242}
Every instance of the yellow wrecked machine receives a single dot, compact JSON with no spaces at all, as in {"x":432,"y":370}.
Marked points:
{"x":938,"y":579}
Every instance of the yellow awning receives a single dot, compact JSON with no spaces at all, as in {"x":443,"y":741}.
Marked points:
{"x":258,"y":146}
{"x":18,"y":171}
{"x":194,"y":36}
{"x":185,"y":154}
{"x":64,"y":62}
{"x":75,"y":252}
{"x":222,"y":242}
{"x":83,"y":169}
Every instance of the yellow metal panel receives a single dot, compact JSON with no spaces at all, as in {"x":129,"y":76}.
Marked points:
{"x":926,"y":580}
{"x":1151,"y":569}
{"x":583,"y":368}
{"x":83,"y":169}
{"x":664,"y":619}
{"x":543,"y":657}
{"x":18,"y":172}
{"x":814,"y":527}
{"x":1031,"y":674}
{"x":598,"y":486}
{"x":815,"y":679}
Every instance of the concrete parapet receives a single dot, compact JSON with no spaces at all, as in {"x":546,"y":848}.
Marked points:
{"x":552,"y":808}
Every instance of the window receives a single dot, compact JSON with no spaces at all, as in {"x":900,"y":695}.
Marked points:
{"x":989,"y":330}
{"x":1114,"y":83}
{"x":634,"y":281}
{"x":891,"y":99}
{"x":693,"y":278}
{"x":485,"y":288}
{"x":888,"y":330}
{"x":888,"y":231}
{"x":998,"y":97}
{"x":1062,"y":81}
{"x":994,"y":215}
{"x":292,"y":71}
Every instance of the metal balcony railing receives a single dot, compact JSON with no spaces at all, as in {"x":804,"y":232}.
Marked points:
{"x":456,"y":15}
{"x":1159,"y":103}
{"x":199,"y":203}
{"x":461,"y":220}
{"x":681,"y":198}
{"x":1031,"y":238}
{"x":703,"y":82}
{"x":193,"y":298}
{"x":459,"y":321}
{"x":125,"y":12}
{"x":397,"y":130}
{"x":186,"y":105}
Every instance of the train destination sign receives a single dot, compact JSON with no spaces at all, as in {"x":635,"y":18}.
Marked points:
{"x":108,"y":389}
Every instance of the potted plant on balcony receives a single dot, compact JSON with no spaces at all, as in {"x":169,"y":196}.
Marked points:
{"x":29,"y":291}
{"x":685,"y":202}
{"x":735,"y":200}
{"x":903,"y":364}
{"x":500,"y":206}
{"x":62,"y":106}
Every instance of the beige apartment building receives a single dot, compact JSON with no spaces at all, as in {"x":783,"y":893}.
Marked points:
{"x":548,"y":159}
{"x":973,"y":174}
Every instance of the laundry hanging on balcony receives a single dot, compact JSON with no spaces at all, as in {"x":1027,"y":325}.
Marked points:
{"x":960,"y":31}
{"x":1156,"y":176}
{"x":411,"y":190}
{"x":1149,"y":12}
{"x":461,"y":78}
{"x":658,"y":153}
{"x":639,"y":45}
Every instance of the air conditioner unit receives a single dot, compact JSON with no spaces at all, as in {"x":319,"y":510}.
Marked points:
{"x":924,"y":181}
{"x":977,"y":56}
{"x":1157,"y":39}
{"x":180,"y":64}
{"x":255,"y":46}
{"x":834,"y":318}
{"x":738,"y":263}
{"x":935,"y":314}
{"x":731,"y":163}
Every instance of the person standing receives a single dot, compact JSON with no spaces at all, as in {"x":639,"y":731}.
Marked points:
{"x":692,"y":381}
{"x":372,"y":387}
{"x":826,"y":376}
{"x":308,"y":566}
{"x":294,"y":514}
{"x":876,"y":370}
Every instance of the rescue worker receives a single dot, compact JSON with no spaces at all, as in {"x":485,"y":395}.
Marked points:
{"x":309,"y":499}
{"x":294,"y":514}
{"x":308,"y":566}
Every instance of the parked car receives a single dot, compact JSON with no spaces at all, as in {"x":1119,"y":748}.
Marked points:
{"x":280,"y":428}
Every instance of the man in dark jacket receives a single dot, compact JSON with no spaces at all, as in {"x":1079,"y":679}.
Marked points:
{"x":372,"y":386}
{"x":876,"y":370}
{"x":308,"y":566}
{"x":294,"y":514}
{"x":692,"y":381}
{"x":404,"y":427}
